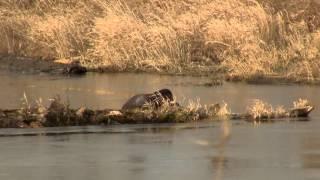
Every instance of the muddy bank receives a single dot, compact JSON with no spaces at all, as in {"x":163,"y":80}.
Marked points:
{"x":215,"y":76}
{"x":30,"y":65}
{"x":60,"y":114}
{"x":26,"y":65}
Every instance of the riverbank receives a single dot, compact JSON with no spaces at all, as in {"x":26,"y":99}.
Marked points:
{"x":25,"y":65}
{"x":235,"y":39}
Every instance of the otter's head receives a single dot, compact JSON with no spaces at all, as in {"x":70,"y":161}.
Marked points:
{"x":167,"y":94}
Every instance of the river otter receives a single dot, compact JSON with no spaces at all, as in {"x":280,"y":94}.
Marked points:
{"x":75,"y":68}
{"x":153,"y":100}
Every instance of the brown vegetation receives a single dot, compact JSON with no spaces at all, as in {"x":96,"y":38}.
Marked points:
{"x":58,"y":113}
{"x":243,"y":39}
{"x":260,"y":110}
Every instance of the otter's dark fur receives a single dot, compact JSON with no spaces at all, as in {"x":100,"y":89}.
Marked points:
{"x":153,"y":100}
{"x":75,"y":68}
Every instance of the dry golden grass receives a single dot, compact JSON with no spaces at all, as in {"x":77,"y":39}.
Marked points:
{"x":212,"y":110}
{"x":301,"y":103}
{"x":241,"y":38}
{"x":259,"y":109}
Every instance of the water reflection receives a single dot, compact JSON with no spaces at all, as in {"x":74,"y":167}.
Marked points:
{"x":311,"y":152}
{"x":155,"y":139}
{"x":310,"y":155}
{"x":220,"y":162}
{"x":311,"y":160}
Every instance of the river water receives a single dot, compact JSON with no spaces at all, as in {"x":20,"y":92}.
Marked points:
{"x":203,"y":150}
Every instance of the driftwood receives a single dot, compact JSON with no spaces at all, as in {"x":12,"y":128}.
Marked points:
{"x":300,"y":112}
